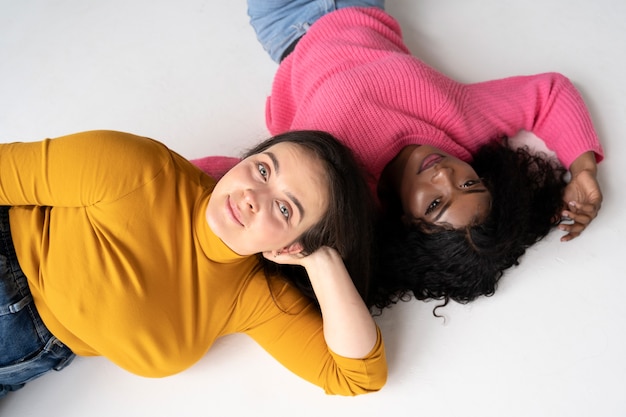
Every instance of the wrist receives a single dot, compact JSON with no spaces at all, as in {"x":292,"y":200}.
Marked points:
{"x":322,"y":256}
{"x":585,"y":162}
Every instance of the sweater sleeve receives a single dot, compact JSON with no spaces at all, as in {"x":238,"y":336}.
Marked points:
{"x":216,"y":166}
{"x":69,"y":171}
{"x":289,"y":327}
{"x":546,"y":104}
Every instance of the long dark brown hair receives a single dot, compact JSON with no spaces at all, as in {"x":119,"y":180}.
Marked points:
{"x":348,"y":224}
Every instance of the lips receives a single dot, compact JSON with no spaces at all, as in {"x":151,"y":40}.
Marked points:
{"x":429,"y":161}
{"x":233,"y":211}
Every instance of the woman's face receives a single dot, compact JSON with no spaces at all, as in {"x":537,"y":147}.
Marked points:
{"x":439,"y":188}
{"x":268,"y":200}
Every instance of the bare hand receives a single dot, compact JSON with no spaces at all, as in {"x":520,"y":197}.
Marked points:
{"x":284,"y":257}
{"x":583,"y":199}
{"x":294,"y":256}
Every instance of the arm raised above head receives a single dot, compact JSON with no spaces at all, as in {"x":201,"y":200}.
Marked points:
{"x":349,"y":328}
{"x":548,"y":105}
{"x":342,"y":350}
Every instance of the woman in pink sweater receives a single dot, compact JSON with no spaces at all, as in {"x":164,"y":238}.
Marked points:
{"x":461,"y":206}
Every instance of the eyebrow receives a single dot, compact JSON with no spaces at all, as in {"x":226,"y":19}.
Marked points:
{"x":447,"y":206}
{"x":292,"y":197}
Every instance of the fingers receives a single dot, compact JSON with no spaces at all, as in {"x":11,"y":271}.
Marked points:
{"x":273,"y":255}
{"x":577,"y":218}
{"x":283,"y":257}
{"x":581,"y":212}
{"x":574,"y":230}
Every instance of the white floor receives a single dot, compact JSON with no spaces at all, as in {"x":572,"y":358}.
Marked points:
{"x":551,"y":342}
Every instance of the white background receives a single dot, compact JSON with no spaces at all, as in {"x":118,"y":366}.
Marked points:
{"x":551,"y":342}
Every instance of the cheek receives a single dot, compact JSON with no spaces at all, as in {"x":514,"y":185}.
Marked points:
{"x":413,"y":199}
{"x":272,"y":228}
{"x":212,"y":214}
{"x":465,"y":169}
{"x":415,"y":211}
{"x":237,"y":177}
{"x":484,"y":207}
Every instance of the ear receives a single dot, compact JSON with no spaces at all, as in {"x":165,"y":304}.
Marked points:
{"x":292,"y":249}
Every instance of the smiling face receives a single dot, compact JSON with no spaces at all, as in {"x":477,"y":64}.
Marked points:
{"x":268,"y":200}
{"x":441,"y":189}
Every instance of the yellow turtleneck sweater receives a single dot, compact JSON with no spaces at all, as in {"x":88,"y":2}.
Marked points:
{"x":110,"y":230}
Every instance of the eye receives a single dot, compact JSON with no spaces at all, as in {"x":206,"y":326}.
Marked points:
{"x":470,"y":183}
{"x":284,"y":210}
{"x":262,"y":170}
{"x":433,"y":205}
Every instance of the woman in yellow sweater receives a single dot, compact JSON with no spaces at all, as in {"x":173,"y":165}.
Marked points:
{"x":114,"y":245}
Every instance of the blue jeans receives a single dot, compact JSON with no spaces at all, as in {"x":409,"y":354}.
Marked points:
{"x":279,"y":23}
{"x":27,"y":348}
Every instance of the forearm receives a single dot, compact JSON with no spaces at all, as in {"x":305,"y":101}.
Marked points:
{"x":78,"y":170}
{"x":349,"y":329}
{"x":548,"y":105}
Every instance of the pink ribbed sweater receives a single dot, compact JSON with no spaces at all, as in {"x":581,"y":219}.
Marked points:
{"x":352,"y":75}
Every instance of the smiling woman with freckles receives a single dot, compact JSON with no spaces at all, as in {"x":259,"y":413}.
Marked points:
{"x":113,"y":245}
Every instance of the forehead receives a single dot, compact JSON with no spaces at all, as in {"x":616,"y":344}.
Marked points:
{"x":288,"y":155}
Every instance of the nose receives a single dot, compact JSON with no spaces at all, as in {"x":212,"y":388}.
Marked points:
{"x":251,"y":200}
{"x":443,"y":176}
{"x":255,"y":199}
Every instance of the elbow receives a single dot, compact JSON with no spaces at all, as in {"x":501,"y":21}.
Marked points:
{"x":353,"y":388}
{"x":369,"y":375}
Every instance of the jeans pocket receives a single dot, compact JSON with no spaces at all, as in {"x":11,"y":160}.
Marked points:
{"x":54,"y":356}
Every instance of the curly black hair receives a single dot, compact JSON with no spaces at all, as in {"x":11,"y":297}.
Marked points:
{"x":434,"y":262}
